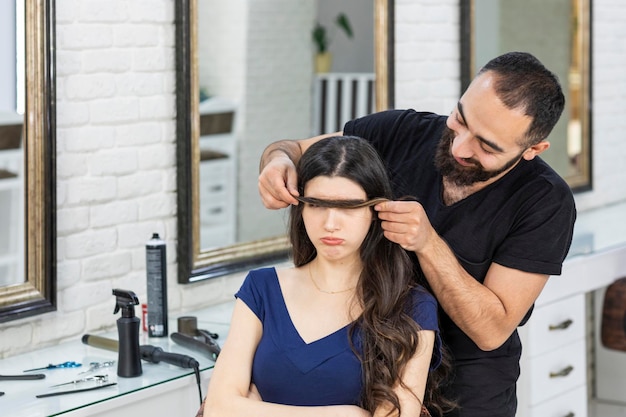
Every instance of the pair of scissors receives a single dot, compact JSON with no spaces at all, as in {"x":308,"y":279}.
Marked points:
{"x":68,"y":364}
{"x":99,"y":379}
{"x":93,"y":366}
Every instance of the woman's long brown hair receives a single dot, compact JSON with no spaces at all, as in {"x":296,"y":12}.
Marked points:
{"x":388,"y":335}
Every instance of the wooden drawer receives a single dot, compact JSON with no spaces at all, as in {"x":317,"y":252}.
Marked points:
{"x":556,"y":372}
{"x":556,"y":325}
{"x":571,"y":404}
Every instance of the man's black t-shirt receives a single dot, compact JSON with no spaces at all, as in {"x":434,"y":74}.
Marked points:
{"x":522,"y":221}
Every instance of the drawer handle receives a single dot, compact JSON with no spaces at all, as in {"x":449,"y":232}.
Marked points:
{"x":562,"y":325}
{"x":563,"y":372}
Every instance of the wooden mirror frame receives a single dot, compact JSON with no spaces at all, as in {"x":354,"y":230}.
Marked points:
{"x":581,"y":180}
{"x":193,"y":263}
{"x":37,"y":294}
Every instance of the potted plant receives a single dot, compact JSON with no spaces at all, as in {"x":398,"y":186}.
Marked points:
{"x":321,"y":38}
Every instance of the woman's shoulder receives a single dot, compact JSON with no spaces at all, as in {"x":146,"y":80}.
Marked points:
{"x":259,"y":290}
{"x":262,"y":273}
{"x":259,"y":280}
{"x":270,"y":279}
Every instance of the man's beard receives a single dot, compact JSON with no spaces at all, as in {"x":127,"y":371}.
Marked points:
{"x":459,"y":174}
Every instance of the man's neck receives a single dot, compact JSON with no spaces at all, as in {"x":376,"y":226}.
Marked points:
{"x":453,"y":193}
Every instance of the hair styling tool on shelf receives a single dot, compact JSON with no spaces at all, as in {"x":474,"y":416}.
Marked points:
{"x":97,"y":378}
{"x":208,"y":347}
{"x":149,"y":353}
{"x":192,"y":338}
{"x":94,"y":366}
{"x":74,"y":391}
{"x":68,"y":364}
{"x":30,"y":377}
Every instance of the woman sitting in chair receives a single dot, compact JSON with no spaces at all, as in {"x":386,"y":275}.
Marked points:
{"x":346,"y":331}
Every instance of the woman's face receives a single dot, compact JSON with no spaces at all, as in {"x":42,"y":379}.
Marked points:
{"x":336,"y":233}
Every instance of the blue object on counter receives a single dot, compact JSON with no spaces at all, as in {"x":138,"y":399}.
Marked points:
{"x":68,"y":364}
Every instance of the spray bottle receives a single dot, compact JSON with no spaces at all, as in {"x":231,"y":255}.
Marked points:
{"x":129,"y":354}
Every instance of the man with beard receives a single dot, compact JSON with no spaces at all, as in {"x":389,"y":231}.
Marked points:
{"x":492,"y":220}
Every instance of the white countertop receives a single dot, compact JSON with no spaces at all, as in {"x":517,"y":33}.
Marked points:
{"x":19,"y":399}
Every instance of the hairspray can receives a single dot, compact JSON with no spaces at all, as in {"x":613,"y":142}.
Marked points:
{"x":157,"y":286}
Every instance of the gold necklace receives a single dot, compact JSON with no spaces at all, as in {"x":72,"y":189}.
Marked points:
{"x":324,"y":291}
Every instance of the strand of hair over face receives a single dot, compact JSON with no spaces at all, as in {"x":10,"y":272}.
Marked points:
{"x":344,"y":204}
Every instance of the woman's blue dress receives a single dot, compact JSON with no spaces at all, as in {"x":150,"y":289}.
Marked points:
{"x":286,"y":370}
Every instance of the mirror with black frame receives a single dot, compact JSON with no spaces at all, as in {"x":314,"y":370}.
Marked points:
{"x":27,"y":140}
{"x":558,"y":33}
{"x":246,"y":77}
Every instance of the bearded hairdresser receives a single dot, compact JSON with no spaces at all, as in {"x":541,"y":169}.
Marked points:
{"x":493,"y":221}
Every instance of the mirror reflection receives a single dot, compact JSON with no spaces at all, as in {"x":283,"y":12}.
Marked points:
{"x":559,"y":37}
{"x":11,"y":144}
{"x":250,"y":73}
{"x":258,"y":82}
{"x":27,"y":118}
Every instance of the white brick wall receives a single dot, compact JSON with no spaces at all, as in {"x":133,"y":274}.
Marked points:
{"x":115,"y":161}
{"x":116,"y":144}
{"x":427,"y":54}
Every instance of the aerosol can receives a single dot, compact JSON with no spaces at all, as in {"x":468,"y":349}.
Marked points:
{"x":156,"y":274}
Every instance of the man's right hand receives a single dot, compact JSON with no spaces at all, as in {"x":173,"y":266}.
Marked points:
{"x":278,"y":182}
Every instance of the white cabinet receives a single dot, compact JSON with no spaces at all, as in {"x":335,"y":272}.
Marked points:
{"x":556,"y":340}
{"x":553,"y":381}
{"x":217,"y":174}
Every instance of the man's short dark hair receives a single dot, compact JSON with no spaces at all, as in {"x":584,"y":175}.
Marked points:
{"x":523,"y":82}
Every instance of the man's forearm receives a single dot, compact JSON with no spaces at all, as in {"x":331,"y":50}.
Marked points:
{"x":291,"y":148}
{"x":472,"y":306}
